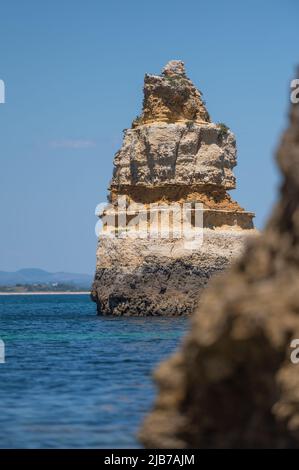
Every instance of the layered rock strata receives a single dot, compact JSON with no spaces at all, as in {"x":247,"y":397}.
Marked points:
{"x":172,"y":159}
{"x":235,"y":381}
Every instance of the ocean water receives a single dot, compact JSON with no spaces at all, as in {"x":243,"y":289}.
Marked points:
{"x":75,"y":380}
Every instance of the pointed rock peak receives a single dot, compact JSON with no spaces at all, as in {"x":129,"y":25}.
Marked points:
{"x":174,"y":67}
{"x":171,"y":97}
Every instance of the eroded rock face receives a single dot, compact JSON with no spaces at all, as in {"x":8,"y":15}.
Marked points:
{"x":175,"y":154}
{"x":232,"y":383}
{"x":160,"y":277}
{"x":171,"y":97}
{"x":172,"y":155}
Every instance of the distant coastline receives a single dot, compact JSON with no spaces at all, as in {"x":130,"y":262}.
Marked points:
{"x":45,"y":293}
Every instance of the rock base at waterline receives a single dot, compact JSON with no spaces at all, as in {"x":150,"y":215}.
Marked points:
{"x":159,"y":277}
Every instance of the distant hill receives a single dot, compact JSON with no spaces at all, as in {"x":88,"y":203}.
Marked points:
{"x":39,"y":276}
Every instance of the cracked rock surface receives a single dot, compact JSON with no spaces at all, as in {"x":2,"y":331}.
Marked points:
{"x":164,"y":154}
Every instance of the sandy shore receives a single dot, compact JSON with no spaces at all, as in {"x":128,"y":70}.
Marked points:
{"x":44,"y":293}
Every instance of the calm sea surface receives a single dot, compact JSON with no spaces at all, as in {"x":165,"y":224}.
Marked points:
{"x":72,"y":379}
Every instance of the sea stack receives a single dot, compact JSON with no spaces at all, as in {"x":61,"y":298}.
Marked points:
{"x":170,"y":223}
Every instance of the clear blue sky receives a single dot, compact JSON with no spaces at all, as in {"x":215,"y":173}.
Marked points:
{"x":74,"y":71}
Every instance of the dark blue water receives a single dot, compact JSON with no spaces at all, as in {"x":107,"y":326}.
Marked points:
{"x":72,"y":379}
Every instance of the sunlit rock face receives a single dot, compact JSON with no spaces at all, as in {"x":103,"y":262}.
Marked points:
{"x":176,"y":154}
{"x":172,"y":155}
{"x":235,"y":381}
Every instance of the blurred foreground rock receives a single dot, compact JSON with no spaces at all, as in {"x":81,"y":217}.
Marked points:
{"x":232,"y":383}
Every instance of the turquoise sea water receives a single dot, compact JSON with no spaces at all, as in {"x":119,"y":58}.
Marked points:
{"x":75,"y":380}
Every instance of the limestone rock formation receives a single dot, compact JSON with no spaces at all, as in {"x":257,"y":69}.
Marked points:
{"x":171,"y":97}
{"x":233,"y":384}
{"x":172,"y":156}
